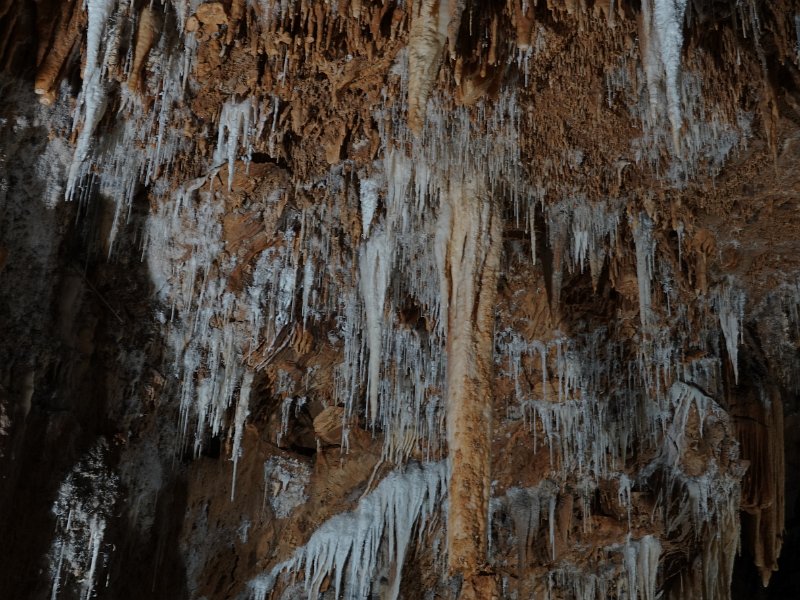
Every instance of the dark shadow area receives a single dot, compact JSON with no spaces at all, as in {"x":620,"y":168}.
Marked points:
{"x":78,"y":335}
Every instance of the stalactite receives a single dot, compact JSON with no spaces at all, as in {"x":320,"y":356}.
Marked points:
{"x":429,"y":24}
{"x":349,"y":547}
{"x":149,"y":24}
{"x":65,"y":36}
{"x":760,"y":432}
{"x":662,"y":39}
{"x":472,"y":260}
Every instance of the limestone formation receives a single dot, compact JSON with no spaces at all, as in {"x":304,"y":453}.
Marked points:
{"x":442,"y":299}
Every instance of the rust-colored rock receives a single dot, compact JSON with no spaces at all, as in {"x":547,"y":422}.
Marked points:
{"x":212,"y":13}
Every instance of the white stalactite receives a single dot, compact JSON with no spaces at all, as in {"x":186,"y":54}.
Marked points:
{"x":350,"y":547}
{"x":662,"y":40}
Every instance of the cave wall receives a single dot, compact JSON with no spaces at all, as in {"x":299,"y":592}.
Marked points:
{"x":433,"y":298}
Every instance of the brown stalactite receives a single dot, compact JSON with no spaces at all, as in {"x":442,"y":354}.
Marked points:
{"x":760,"y":432}
{"x":55,"y":51}
{"x":146,"y":35}
{"x":473,"y":253}
{"x":426,"y":40}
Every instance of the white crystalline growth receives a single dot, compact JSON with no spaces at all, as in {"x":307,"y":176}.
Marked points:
{"x":271,"y":11}
{"x":138,"y":146}
{"x":730,"y":302}
{"x":399,"y":362}
{"x":586,"y":428}
{"x":376,"y":259}
{"x":368,"y":195}
{"x":707,"y":504}
{"x":594,"y":228}
{"x":591,"y":227}
{"x":93,"y":93}
{"x":512,"y":348}
{"x":285,"y":482}
{"x":98,"y":13}
{"x":624,"y":495}
{"x":196,"y":294}
{"x":526,"y":507}
{"x":707,"y":137}
{"x":350,"y":547}
{"x":797,"y":33}
{"x":645,"y":264}
{"x":641,"y":565}
{"x":85,"y":502}
{"x":575,"y":435}
{"x":663,"y":41}
{"x":375,"y":262}
{"x":683,"y":397}
{"x":212,"y":329}
{"x":410,"y":410}
{"x":242,"y":412}
{"x":627,"y":570}
{"x":402,"y":262}
{"x":710,"y":501}
{"x":235,"y":130}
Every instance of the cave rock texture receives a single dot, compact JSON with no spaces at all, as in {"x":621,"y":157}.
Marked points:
{"x":421,"y":299}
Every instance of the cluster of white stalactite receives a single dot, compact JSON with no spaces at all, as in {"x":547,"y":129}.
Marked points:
{"x":594,"y":402}
{"x":594,"y":406}
{"x":394,"y":369}
{"x":210,"y":328}
{"x":400,"y":257}
{"x":628,"y":570}
{"x":580,"y":233}
{"x":237,"y":127}
{"x":140,"y":145}
{"x":662,"y":41}
{"x":353,"y":547}
{"x":401,"y":261}
{"x":708,"y":503}
{"x":676,"y":118}
{"x":527,"y":508}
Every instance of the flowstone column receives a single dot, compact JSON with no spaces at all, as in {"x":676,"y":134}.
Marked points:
{"x":469,"y":239}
